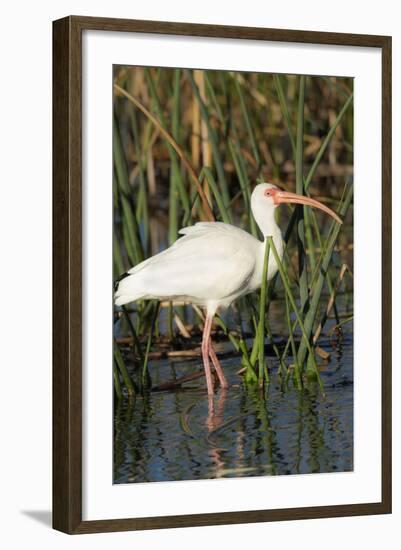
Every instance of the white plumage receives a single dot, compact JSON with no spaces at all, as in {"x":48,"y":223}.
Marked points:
{"x":212,"y":264}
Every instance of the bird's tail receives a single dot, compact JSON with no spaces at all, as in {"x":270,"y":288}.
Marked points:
{"x":121,"y":300}
{"x":126,"y":290}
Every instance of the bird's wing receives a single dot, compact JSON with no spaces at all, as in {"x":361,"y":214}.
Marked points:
{"x":214,"y":228}
{"x":211,"y":261}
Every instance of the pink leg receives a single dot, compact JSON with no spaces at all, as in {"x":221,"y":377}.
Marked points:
{"x":205,"y":353}
{"x":217,"y":366}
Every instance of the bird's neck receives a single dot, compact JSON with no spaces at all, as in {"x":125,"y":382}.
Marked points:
{"x":265,"y":220}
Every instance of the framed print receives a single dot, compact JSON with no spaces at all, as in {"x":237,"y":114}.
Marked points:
{"x":222,"y":275}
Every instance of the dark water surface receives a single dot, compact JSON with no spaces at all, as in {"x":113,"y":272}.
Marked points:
{"x":172,"y":435}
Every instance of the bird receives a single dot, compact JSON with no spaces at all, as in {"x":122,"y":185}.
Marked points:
{"x":213,"y":264}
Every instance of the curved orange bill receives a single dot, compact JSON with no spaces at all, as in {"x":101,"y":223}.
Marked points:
{"x":282,"y":197}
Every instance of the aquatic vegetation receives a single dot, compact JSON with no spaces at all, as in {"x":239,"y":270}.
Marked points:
{"x":189,"y":146}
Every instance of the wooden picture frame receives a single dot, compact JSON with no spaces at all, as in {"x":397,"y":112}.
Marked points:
{"x":67,"y":274}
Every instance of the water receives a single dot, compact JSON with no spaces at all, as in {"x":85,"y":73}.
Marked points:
{"x":172,"y":435}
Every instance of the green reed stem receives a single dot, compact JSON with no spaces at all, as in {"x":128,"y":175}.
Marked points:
{"x":282,"y":368}
{"x":250,"y":375}
{"x":146,"y":379}
{"x":315,"y":300}
{"x":117,"y":257}
{"x":262,"y":314}
{"x":212,"y":95}
{"x":319,"y":155}
{"x":322,"y":149}
{"x":309,"y":238}
{"x":134,"y":335}
{"x":297,"y":372}
{"x":248,"y":123}
{"x":287,"y":287}
{"x":170,"y":319}
{"x":117,"y":384}
{"x":130,"y":231}
{"x":315,"y":267}
{"x":343,"y":208}
{"x":175,"y":168}
{"x":326,"y":141}
{"x":225,"y":216}
{"x":284,"y":108}
{"x":129,"y":385}
{"x":174,"y":175}
{"x":244,"y":183}
{"x":299,"y":154}
{"x":130,"y":226}
{"x":142,"y":211}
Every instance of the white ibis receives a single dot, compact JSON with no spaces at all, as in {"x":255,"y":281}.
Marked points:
{"x":212,"y":265}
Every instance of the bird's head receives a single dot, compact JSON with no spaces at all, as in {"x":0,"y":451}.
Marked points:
{"x":268,"y":196}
